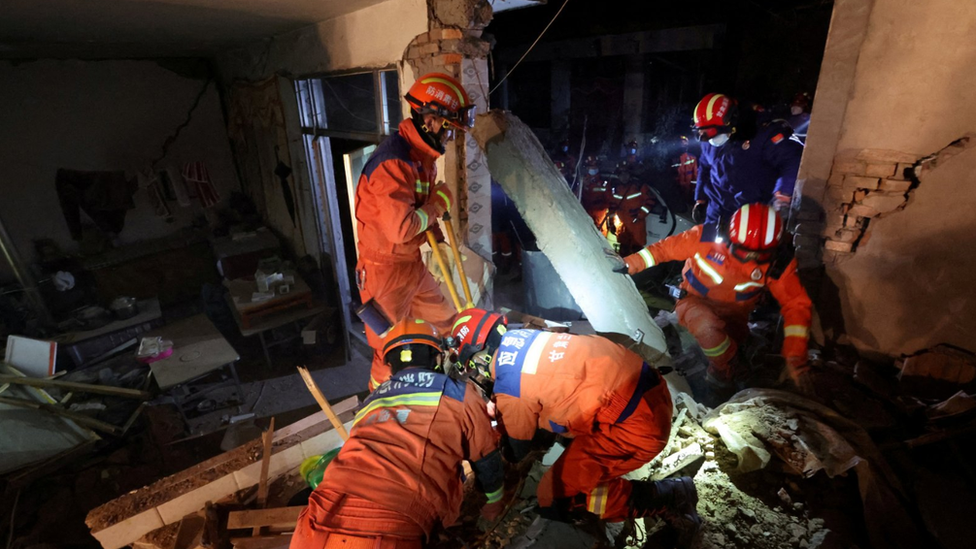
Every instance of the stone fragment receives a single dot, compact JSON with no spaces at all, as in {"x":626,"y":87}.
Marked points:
{"x":861,"y":182}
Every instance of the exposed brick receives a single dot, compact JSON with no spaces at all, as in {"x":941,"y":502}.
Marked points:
{"x":846,"y":235}
{"x":449,"y":59}
{"x":451,"y":34}
{"x":860,"y":182}
{"x":852,"y":221}
{"x":903,"y":171}
{"x":849,"y":166}
{"x":413,"y":52}
{"x":422,"y":38}
{"x":836,"y":179}
{"x":895,"y":185}
{"x":880,"y":170}
{"x":859,"y":195}
{"x":884,"y":155}
{"x":884,"y":202}
{"x":838,"y":195}
{"x":429,"y":49}
{"x":835,"y":246}
{"x":860,"y":210}
{"x":450,"y":45}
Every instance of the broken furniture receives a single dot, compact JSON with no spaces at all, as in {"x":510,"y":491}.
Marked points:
{"x":199,"y":350}
{"x":238,"y":254}
{"x":281,"y":309}
{"x":152,"y":516}
{"x":84,"y":347}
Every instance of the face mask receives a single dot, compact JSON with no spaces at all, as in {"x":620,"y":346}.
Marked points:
{"x":796,"y":110}
{"x":719,"y":140}
{"x":565,"y":149}
{"x":633,"y":151}
{"x":592,"y":171}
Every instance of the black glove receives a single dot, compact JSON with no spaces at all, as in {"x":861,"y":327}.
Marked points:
{"x":698,"y":212}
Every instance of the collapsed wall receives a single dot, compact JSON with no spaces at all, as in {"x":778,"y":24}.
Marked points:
{"x":566,"y":234}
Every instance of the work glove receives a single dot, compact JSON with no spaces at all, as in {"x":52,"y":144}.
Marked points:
{"x":442,"y":198}
{"x":781,"y":203}
{"x":493,"y":511}
{"x":698,"y":212}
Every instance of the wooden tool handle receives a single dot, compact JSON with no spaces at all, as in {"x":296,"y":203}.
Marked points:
{"x":447,"y":276}
{"x":449,"y":227}
{"x":323,"y":403}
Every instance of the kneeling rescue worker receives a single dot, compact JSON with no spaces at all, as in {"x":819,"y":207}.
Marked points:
{"x":396,"y":204}
{"x":724,"y":278}
{"x":616,"y":408}
{"x":399,"y":474}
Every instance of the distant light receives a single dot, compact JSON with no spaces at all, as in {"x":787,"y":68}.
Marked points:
{"x":719,"y":239}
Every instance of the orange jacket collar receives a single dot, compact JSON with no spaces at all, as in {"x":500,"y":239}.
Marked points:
{"x":417,"y":143}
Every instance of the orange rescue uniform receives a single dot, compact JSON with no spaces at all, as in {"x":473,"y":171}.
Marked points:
{"x":399,"y":474}
{"x":632,"y":203}
{"x":688,"y":174}
{"x":393,"y":210}
{"x":595,"y":197}
{"x":723,"y":290}
{"x":617,"y":408}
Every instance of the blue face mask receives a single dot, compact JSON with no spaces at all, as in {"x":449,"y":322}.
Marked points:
{"x":592,"y":171}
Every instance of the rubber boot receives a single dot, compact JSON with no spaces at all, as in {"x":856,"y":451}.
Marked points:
{"x":719,"y":389}
{"x":676,"y":499}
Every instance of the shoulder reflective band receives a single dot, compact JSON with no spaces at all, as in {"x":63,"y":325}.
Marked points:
{"x":708,"y":269}
{"x":746,"y":285}
{"x":635,"y":195}
{"x":648,"y":258}
{"x":447,"y":200}
{"x":795,"y":331}
{"x":424,"y":220}
{"x":422,"y":187}
{"x":645,"y":209}
{"x":615,"y":195}
{"x":496,"y":495}
{"x":596,"y":501}
{"x":719,"y":349}
{"x":409,"y":399}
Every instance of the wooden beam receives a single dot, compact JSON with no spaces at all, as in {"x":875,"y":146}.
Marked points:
{"x":41,"y":383}
{"x":61,"y":412}
{"x":262,"y":542}
{"x":323,"y":402}
{"x":267,"y":437}
{"x":252,"y":518}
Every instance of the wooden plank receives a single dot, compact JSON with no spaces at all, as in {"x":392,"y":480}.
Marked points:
{"x":267,"y":437}
{"x":281,"y":516}
{"x":41,"y":383}
{"x":318,"y":417}
{"x":61,"y":412}
{"x":262,"y":542}
{"x":323,"y":402}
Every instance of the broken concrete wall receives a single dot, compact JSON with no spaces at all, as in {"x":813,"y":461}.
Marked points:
{"x":566,"y":234}
{"x":102,"y":116}
{"x":894,"y":224}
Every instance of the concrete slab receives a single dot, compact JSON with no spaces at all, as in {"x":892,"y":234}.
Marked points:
{"x":566,"y":234}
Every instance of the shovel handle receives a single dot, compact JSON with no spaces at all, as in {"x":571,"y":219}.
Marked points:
{"x":449,"y":227}
{"x":447,"y":276}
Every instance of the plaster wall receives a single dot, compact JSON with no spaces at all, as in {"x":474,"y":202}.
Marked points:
{"x":375,"y":36}
{"x":99,"y":115}
{"x":908,"y":284}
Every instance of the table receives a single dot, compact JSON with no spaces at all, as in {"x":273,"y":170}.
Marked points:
{"x":81,"y":346}
{"x":274,"y":321}
{"x":240,"y":292}
{"x":198,"y":350}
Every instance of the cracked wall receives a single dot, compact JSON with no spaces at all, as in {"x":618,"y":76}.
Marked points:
{"x":887,"y":189}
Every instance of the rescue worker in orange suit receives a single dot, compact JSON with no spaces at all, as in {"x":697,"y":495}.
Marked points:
{"x":595,"y":194}
{"x":397,"y":201}
{"x":633,"y":160}
{"x":743,"y":161}
{"x":399,"y":474}
{"x":687,"y":170}
{"x":563,"y":155}
{"x":615,"y":407}
{"x":630,"y":203}
{"x":724,"y":277}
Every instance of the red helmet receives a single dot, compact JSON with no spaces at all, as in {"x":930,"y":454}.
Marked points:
{"x":412,"y":342}
{"x":755,"y":228}
{"x":714,"y":114}
{"x":632,"y":147}
{"x":802,"y":100}
{"x":442,"y":95}
{"x":471,"y":331}
{"x":591,"y":160}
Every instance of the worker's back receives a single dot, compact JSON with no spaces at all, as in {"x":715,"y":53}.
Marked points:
{"x":567,"y":382}
{"x":406,"y":446}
